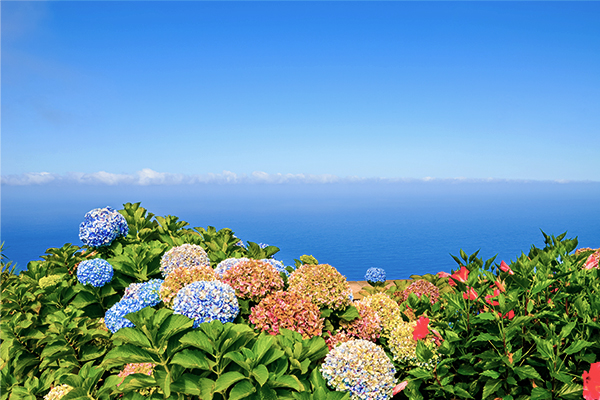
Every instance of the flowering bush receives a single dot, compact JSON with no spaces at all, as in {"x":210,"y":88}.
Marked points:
{"x":137,"y":296}
{"x":367,"y":326}
{"x":226,"y":264}
{"x":96,"y":272}
{"x":57,"y":392}
{"x":361,"y":368}
{"x":287,"y":310}
{"x":387,"y":309}
{"x":101,"y":226}
{"x":421,"y":287}
{"x":186,"y":255}
{"x":206,"y":301}
{"x":375,"y":275}
{"x":182,"y":276}
{"x":322,"y":284}
{"x":253,"y":279}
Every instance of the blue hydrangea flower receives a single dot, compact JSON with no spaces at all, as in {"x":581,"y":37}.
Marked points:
{"x":263,"y":245}
{"x":277,"y":264}
{"x":226,"y":264}
{"x":136,"y":297}
{"x":96,"y":272}
{"x":362,"y":368}
{"x":186,"y":255}
{"x":101,"y":226}
{"x":375,"y":275}
{"x":146,"y":293}
{"x":114,"y":319}
{"x":206,"y":301}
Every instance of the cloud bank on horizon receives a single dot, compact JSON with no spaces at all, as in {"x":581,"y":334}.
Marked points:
{"x":148,"y":176}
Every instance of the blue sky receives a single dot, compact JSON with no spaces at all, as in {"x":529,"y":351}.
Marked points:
{"x":193,"y":91}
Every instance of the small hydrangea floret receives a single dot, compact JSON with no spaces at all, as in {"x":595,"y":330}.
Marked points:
{"x":101,"y":226}
{"x":375,"y":275}
{"x":206,"y":301}
{"x":226,"y":264}
{"x":361,"y":368}
{"x":186,"y":255}
{"x":421,"y":287}
{"x":96,"y":272}
{"x":368,"y":324}
{"x":57,"y":392}
{"x":278,"y":265}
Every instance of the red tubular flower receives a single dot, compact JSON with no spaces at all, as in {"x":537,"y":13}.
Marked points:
{"x":504,"y":267}
{"x":399,"y":387}
{"x":500,"y":286}
{"x":421,"y":330}
{"x":591,"y":382}
{"x":489,"y":298}
{"x":510,"y":314}
{"x":470,"y":294}
{"x":460,"y":276}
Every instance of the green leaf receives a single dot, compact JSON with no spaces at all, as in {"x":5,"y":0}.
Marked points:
{"x":226,"y":380}
{"x":287,"y":381}
{"x":266,"y":393}
{"x":350,"y":314}
{"x":486,"y":316}
{"x":191,"y":359}
{"x":539,"y":393}
{"x":578,"y":346}
{"x":491,"y":373}
{"x":466,"y":369}
{"x":127,"y":354}
{"x":566,"y":330}
{"x":261,"y":374}
{"x":191,"y":385}
{"x":570,"y":390}
{"x":490,"y":388}
{"x":132,"y":336}
{"x":420,"y":373}
{"x":241,"y":390}
{"x":527,"y":371}
{"x":198,"y":339}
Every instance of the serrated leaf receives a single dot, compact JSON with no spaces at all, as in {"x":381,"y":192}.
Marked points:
{"x":527,"y":371}
{"x":287,"y":381}
{"x":127,"y":354}
{"x":350,"y":314}
{"x":261,"y":374}
{"x":577,"y":346}
{"x":191,"y":359}
{"x":491,"y":373}
{"x":132,"y":336}
{"x":539,"y":393}
{"x":198,"y":339}
{"x":491,"y":387}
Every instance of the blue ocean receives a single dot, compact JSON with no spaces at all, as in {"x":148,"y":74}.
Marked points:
{"x":404,"y":227}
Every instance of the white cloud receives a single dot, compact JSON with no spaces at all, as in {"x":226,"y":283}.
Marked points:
{"x":148,"y":176}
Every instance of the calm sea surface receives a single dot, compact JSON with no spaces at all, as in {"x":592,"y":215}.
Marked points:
{"x":405,"y":228}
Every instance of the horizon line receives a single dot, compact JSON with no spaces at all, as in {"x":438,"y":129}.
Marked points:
{"x":147,"y":177}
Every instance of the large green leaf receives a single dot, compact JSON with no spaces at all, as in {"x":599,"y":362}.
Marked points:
{"x":191,"y":359}
{"x":241,"y":390}
{"x":126,"y":354}
{"x":225,"y":381}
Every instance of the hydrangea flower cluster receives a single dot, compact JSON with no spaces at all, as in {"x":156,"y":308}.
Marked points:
{"x":322,"y":284}
{"x":375,"y":275}
{"x":96,"y":272}
{"x":49,"y":281}
{"x":367,"y":326}
{"x":227,"y":264}
{"x":186,"y":255}
{"x":403,"y":346}
{"x":57,"y":392}
{"x":182,"y":276}
{"x":206,"y":301}
{"x":421,"y":287}
{"x":278,"y":265}
{"x":287,"y":310}
{"x":101,"y":226}
{"x":136,"y":368}
{"x":253,"y":279}
{"x":361,"y":368}
{"x":136,"y":297}
{"x":387,"y":309}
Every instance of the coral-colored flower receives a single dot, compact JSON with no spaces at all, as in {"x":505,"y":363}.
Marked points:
{"x":504,"y":267}
{"x":592,"y":261}
{"x":441,"y":274}
{"x":421,"y":329}
{"x":470,"y":294}
{"x":489,"y":298}
{"x":368,"y":324}
{"x":509,"y":315}
{"x":399,"y":387}
{"x":419,"y":288}
{"x":253,"y":279}
{"x":460,"y":276}
{"x":591,"y":382}
{"x":501,"y":286}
